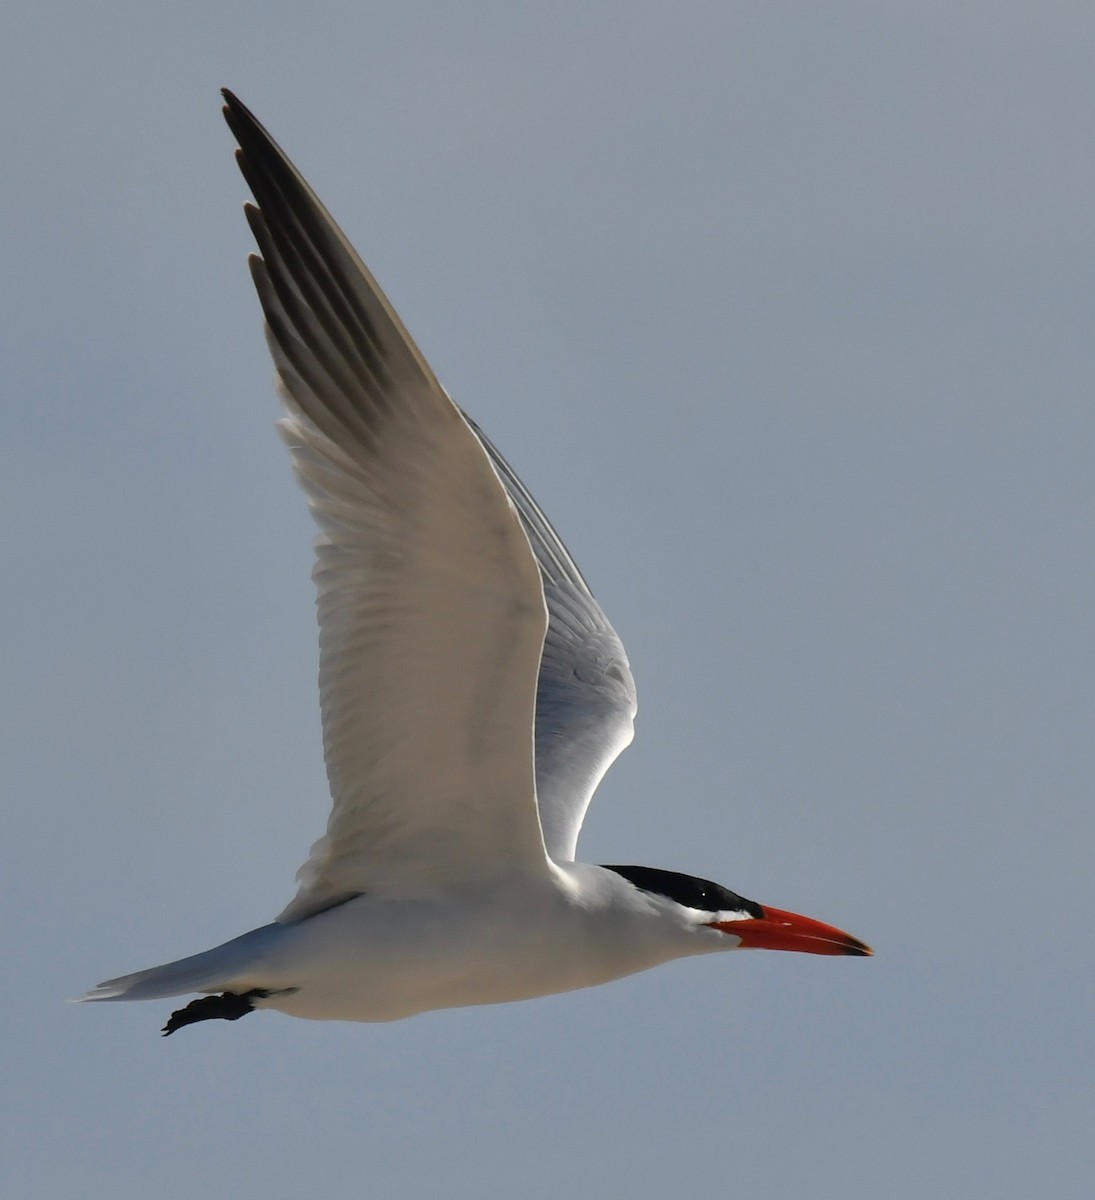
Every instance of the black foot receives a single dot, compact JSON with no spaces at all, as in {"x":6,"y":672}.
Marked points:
{"x":228,"y":1007}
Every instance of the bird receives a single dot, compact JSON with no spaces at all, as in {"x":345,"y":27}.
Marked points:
{"x":473,"y":693}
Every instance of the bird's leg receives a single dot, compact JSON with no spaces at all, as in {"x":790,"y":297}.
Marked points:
{"x":228,"y":1006}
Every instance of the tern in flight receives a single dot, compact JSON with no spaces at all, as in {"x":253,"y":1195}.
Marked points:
{"x":473,"y":693}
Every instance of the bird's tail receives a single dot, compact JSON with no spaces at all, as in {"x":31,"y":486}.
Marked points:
{"x":223,"y":968}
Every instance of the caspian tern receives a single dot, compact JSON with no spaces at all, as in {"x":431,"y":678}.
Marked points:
{"x":473,"y":693}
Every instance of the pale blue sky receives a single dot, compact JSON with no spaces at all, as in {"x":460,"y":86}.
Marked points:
{"x":785,"y":314}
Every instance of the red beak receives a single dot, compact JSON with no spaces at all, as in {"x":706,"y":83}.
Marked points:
{"x":778,"y":930}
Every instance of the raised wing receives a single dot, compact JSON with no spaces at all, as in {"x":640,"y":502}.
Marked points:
{"x":431,"y":609}
{"x":585,"y":696}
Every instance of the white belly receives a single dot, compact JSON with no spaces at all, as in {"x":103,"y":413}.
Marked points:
{"x":379,"y":960}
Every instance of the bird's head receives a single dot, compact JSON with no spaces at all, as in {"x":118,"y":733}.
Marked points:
{"x":752,"y":926}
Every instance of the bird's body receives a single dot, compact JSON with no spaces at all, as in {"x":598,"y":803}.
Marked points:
{"x":472,"y":691}
{"x":384,"y":958}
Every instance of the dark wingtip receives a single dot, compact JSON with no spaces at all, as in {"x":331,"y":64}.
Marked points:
{"x":231,"y":104}
{"x":241,"y":120}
